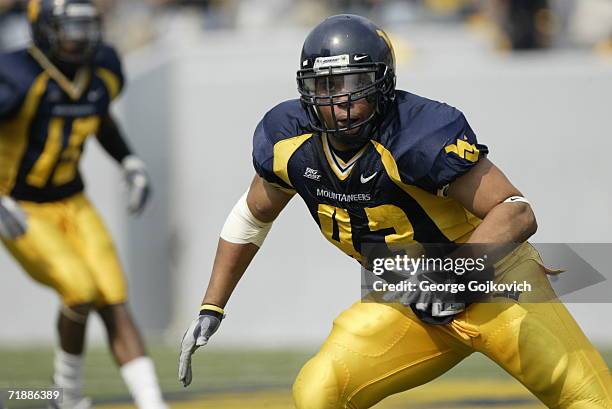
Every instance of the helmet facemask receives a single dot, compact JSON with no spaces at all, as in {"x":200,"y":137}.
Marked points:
{"x":337,"y":89}
{"x":77,"y":40}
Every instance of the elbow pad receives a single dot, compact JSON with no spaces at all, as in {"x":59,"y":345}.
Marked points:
{"x":241,"y":227}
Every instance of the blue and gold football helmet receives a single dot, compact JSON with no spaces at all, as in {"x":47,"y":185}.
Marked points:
{"x":67,"y":31}
{"x":344,"y":59}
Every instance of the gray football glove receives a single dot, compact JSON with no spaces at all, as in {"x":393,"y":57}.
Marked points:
{"x":135,"y":174}
{"x":429,"y":303}
{"x":13,"y":220}
{"x":197,"y":335}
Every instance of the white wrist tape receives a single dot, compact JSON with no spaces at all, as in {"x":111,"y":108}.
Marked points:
{"x":242,"y":227}
{"x":517,"y":199}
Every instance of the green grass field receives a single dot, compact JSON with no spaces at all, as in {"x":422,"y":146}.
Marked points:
{"x":225,"y":379}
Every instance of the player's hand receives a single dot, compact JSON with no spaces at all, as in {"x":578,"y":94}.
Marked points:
{"x":137,"y":179}
{"x":436,"y":304}
{"x":197,"y":335}
{"x":13,"y":221}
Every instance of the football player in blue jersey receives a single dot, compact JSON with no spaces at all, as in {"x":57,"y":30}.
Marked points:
{"x":378,"y":165}
{"x":53,"y":95}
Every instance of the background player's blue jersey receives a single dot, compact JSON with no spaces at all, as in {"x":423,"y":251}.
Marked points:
{"x":45,"y":119}
{"x":392,"y":191}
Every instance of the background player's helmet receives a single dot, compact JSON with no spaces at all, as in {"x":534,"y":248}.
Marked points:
{"x":67,"y":31}
{"x":346,"y":58}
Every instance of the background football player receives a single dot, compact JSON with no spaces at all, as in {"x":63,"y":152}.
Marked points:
{"x":53,"y":95}
{"x":377,"y":165}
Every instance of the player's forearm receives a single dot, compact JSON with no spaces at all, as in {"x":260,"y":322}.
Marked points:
{"x":506,"y":223}
{"x":242,"y":235}
{"x":231,"y":261}
{"x":112,"y":140}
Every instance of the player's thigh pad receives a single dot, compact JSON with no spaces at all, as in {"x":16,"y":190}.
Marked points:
{"x":47,"y":255}
{"x":94,"y":243}
{"x":373,"y":351}
{"x":540,"y":343}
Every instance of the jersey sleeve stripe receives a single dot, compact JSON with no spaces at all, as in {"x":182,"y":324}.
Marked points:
{"x":111,"y":81}
{"x":283,"y":150}
{"x":14,"y":134}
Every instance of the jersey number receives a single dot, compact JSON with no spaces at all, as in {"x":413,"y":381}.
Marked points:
{"x":336,"y":226}
{"x":45,"y":167}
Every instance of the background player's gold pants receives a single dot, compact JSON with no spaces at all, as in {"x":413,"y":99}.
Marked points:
{"x":375,"y":350}
{"x":68,"y":248}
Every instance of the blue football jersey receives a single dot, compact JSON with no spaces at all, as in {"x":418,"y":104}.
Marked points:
{"x":45,"y":119}
{"x":390,"y":192}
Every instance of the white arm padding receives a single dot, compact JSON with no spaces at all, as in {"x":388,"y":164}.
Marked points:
{"x":241,"y":227}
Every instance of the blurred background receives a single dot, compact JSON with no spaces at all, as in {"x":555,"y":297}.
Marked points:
{"x":534,"y":78}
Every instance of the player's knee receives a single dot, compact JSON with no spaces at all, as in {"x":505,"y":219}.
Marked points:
{"x":76,"y":313}
{"x":544,"y":374}
{"x":317,"y":385}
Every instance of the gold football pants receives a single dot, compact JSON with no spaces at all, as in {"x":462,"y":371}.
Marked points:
{"x":68,"y":248}
{"x":376,"y":350}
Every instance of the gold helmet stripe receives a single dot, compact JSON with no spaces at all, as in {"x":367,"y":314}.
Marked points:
{"x":388,"y":41}
{"x":33,"y":10}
